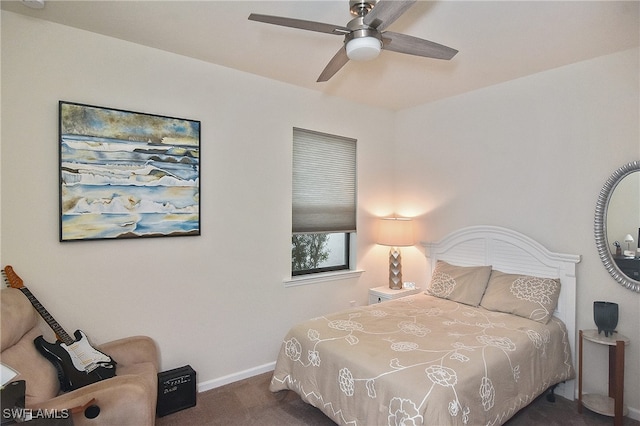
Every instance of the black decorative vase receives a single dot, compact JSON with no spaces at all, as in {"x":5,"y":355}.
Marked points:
{"x":605,"y":315}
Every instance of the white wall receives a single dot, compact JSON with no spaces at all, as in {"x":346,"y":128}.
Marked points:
{"x":532,"y":154}
{"x":216,"y":301}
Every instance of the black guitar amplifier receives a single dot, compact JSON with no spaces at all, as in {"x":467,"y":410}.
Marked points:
{"x":176,"y":390}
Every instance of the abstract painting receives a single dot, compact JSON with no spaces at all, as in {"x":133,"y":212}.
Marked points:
{"x":126,"y":174}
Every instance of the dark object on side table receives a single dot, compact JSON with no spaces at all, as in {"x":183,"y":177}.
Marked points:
{"x":605,"y":315}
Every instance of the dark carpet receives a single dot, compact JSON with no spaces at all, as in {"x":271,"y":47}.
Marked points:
{"x":249,"y":402}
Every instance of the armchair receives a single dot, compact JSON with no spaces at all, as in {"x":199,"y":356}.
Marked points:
{"x":129,"y":398}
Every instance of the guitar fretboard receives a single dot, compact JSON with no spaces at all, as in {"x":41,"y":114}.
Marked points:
{"x":57,"y":328}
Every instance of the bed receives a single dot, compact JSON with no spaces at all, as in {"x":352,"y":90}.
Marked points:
{"x":493,"y":330}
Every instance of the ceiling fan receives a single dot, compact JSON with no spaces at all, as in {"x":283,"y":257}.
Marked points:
{"x":364,"y":37}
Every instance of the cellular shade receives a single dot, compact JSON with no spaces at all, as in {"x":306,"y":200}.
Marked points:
{"x":324,"y":182}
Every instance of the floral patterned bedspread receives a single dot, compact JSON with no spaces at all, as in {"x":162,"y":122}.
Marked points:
{"x":422,"y":360}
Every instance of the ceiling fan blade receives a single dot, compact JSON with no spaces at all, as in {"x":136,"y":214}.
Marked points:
{"x":403,"y":43}
{"x":300,"y":24}
{"x":334,"y":65}
{"x":384,"y":13}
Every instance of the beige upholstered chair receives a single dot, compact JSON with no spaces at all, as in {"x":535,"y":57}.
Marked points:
{"x":129,"y":398}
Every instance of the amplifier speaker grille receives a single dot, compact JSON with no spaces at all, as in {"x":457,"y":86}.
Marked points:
{"x":176,"y":390}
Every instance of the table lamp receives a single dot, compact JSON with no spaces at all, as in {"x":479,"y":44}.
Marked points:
{"x":395,"y":232}
{"x":628,"y":252}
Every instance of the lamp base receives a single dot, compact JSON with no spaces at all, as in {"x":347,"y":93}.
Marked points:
{"x":395,"y":269}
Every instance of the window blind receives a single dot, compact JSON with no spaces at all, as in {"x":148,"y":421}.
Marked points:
{"x":324,"y":183}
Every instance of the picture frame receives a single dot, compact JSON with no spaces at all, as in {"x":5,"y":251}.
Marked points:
{"x":126,"y":174}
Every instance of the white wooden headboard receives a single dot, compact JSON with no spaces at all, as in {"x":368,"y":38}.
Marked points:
{"x":512,"y":252}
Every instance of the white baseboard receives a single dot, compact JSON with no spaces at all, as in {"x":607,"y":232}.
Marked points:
{"x":225,"y":380}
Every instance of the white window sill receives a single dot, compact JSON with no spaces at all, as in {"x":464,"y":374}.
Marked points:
{"x":323,"y":277}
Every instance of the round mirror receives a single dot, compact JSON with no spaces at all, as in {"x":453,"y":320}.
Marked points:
{"x":617,"y":225}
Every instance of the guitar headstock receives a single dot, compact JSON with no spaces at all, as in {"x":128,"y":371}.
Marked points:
{"x":11,"y":278}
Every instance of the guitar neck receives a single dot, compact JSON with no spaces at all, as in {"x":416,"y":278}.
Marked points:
{"x":57,"y":328}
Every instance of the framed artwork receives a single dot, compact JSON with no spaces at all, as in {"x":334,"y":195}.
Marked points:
{"x":127,"y":174}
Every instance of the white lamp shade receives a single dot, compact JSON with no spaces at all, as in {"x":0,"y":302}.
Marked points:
{"x":628,"y":238}
{"x":395,"y":232}
{"x":363,"y":48}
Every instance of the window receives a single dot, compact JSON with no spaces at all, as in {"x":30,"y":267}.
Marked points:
{"x":324,"y":202}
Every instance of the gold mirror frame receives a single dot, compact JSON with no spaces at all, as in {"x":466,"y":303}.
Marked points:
{"x":600,"y":225}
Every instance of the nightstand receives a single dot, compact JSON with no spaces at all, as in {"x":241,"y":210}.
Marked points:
{"x":384,"y":293}
{"x":629,"y":266}
{"x":613,"y":405}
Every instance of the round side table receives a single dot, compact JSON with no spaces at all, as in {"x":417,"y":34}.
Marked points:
{"x":613,"y":404}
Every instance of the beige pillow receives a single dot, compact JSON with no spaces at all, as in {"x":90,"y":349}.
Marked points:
{"x":529,"y":297}
{"x":464,"y":284}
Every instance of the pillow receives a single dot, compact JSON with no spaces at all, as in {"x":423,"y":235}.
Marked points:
{"x":529,"y":297}
{"x":464,"y":284}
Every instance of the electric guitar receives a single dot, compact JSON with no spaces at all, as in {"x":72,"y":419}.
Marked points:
{"x":77,"y":362}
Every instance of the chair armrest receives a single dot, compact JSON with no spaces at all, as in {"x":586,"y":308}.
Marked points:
{"x":132,"y":350}
{"x":122,"y":400}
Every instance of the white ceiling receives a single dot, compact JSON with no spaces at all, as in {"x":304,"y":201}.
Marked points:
{"x":498,"y":40}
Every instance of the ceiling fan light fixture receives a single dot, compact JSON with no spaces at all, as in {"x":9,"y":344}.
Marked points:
{"x":363,"y":48}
